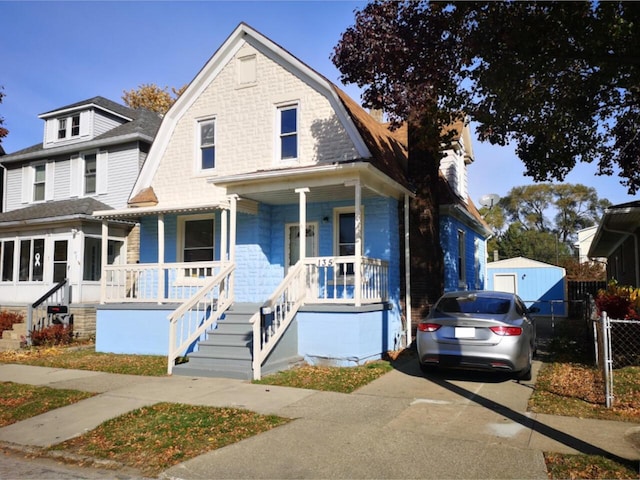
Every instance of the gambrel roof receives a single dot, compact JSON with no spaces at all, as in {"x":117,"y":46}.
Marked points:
{"x":374,"y":143}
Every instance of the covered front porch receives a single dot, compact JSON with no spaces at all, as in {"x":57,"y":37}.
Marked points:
{"x":347,"y":260}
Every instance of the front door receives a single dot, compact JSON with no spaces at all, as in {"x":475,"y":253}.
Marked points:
{"x":293,"y":242}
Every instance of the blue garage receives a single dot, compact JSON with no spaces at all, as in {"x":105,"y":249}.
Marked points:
{"x":539,"y":284}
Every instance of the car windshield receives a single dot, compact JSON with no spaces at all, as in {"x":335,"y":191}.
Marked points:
{"x":474,"y":304}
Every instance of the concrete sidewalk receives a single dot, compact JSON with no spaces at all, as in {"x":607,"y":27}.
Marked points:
{"x":403,"y":425}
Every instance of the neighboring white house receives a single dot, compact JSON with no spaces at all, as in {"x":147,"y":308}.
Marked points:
{"x":89,"y":160}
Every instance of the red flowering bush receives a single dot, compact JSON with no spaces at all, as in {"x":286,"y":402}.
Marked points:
{"x":7,"y":319}
{"x":620,"y":302}
{"x":52,"y":335}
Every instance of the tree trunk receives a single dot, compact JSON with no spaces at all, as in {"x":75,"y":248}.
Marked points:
{"x":427,"y":262}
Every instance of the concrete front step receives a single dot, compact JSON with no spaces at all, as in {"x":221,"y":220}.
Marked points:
{"x":14,"y":338}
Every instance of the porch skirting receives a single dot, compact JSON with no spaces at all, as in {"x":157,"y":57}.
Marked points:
{"x":140,"y":329}
{"x":344,"y":335}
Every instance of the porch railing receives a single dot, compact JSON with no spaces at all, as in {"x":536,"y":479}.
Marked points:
{"x":316,"y":280}
{"x":152,"y":282}
{"x":189,"y":321}
{"x":51,"y":308}
{"x":277,"y":312}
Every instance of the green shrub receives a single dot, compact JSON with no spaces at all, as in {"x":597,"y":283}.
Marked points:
{"x":7,"y":319}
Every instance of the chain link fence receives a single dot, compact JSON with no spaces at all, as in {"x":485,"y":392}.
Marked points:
{"x":617,"y":345}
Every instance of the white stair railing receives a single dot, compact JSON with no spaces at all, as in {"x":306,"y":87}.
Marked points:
{"x":277,"y":313}
{"x":189,"y":321}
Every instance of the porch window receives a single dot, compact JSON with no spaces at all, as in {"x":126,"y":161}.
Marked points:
{"x":39,"y":179}
{"x":207,"y":144}
{"x":196,"y":244}
{"x":92,"y":258}
{"x":345,"y":222}
{"x":288,"y":119}
{"x":7,"y":260}
{"x":198,"y":240}
{"x":60,"y":249}
{"x":31,"y":260}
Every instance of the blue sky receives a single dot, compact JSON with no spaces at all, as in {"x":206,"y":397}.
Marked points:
{"x":58,"y":53}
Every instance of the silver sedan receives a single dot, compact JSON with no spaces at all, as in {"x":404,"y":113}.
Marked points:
{"x":478,"y":330}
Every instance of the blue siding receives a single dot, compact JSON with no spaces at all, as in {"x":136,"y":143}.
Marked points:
{"x":117,"y":332}
{"x":475,"y":256}
{"x":537,"y":286}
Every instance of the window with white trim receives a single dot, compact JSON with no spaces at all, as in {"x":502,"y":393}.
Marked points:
{"x":206,"y":142}
{"x":197,"y":240}
{"x":8,"y":249}
{"x":288,"y":132}
{"x":39,"y":182}
{"x":345,"y":236}
{"x":69,"y":127}
{"x":31,"y":260}
{"x":60,"y":252}
{"x":90,"y":173}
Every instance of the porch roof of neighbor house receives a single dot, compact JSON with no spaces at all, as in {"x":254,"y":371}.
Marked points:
{"x":50,"y":212}
{"x":618,"y":223}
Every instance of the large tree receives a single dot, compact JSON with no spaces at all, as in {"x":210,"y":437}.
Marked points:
{"x":558,"y":79}
{"x":152,"y":97}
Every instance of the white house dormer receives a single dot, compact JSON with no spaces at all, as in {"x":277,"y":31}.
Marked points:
{"x":453,"y":165}
{"x":80,"y":122}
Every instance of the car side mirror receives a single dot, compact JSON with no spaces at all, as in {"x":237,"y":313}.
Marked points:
{"x":534,"y":310}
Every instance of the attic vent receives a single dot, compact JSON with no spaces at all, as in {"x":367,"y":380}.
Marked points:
{"x":247,"y":71}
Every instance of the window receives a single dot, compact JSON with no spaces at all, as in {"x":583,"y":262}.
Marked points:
{"x":461,"y":254}
{"x":31,"y":260}
{"x":92,"y":258}
{"x":292,"y":234}
{"x":345,"y":221}
{"x":62,"y":128}
{"x":207,"y":144}
{"x":59,"y":260}
{"x":198,"y":240}
{"x":7,"y":260}
{"x":90,"y":169}
{"x":288,"y":117}
{"x":39,"y":178}
{"x":75,"y":125}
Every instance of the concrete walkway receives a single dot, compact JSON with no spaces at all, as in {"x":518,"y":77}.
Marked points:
{"x":403,"y":425}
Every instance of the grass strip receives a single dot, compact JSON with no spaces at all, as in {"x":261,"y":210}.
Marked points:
{"x":19,"y":402}
{"x":331,"y":379}
{"x":88,"y":359}
{"x":561,"y":466}
{"x":152,"y":439}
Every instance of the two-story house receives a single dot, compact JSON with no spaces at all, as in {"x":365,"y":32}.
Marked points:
{"x":273,"y":216}
{"x":88,"y":160}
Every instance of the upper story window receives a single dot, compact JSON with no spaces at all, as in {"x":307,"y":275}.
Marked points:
{"x":90,"y":173}
{"x":288,"y":132}
{"x":62,"y":128}
{"x":207,"y":144}
{"x":69,"y":127}
{"x":39,"y":182}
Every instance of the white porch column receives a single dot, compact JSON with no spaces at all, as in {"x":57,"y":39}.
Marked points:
{"x":407,"y":272}
{"x":233,"y":200}
{"x":160,"y":257}
{"x":357,"y":267}
{"x":224,"y":218}
{"x":302,"y":192}
{"x":103,"y":261}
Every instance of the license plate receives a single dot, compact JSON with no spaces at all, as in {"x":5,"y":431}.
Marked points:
{"x":465,"y":332}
